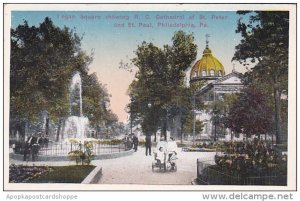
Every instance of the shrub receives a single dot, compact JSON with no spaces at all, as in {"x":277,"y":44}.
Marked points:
{"x":84,"y":154}
{"x":76,"y":156}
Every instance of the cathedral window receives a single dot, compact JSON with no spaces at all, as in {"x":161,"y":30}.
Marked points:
{"x":212,"y":72}
{"x":220,"y":73}
{"x":203,"y":73}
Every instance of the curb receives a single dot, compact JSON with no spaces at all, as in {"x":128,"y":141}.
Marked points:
{"x":19,"y":157}
{"x":113,"y":155}
{"x":94,"y":176}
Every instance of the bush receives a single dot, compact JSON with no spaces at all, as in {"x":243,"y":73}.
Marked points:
{"x":84,"y":154}
{"x":23,"y":174}
{"x":206,"y":145}
{"x":76,"y":156}
{"x":110,"y":142}
{"x":252,"y":158}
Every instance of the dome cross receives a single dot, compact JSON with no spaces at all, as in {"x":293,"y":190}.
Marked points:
{"x":207,"y":36}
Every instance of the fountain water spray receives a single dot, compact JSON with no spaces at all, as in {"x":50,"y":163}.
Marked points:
{"x":76,"y":125}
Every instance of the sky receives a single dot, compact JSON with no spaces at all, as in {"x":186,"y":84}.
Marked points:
{"x":115,"y":35}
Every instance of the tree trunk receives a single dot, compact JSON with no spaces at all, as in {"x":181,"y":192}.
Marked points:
{"x":215,"y":137}
{"x":47,"y":127}
{"x":181,"y":133}
{"x":22,"y":129}
{"x":58,"y":130}
{"x":131,"y":125}
{"x":62,"y":128}
{"x":266,"y":137}
{"x":277,"y":113}
{"x":164,"y":129}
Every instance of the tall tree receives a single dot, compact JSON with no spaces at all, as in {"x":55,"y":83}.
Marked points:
{"x":250,"y":113}
{"x":265,"y":43}
{"x":160,"y":80}
{"x":43,"y":61}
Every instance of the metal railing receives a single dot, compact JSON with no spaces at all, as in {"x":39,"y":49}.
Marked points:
{"x":210,"y":174}
{"x":63,"y":149}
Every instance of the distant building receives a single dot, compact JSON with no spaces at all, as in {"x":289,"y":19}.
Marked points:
{"x":210,"y":71}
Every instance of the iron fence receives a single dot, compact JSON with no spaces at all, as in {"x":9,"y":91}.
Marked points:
{"x":208,"y":174}
{"x":63,"y":149}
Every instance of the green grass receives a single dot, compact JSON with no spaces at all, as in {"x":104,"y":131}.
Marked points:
{"x":64,"y":174}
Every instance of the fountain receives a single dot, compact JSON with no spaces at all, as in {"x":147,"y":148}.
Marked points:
{"x":76,"y":125}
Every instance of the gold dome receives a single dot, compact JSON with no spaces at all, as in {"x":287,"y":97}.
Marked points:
{"x":207,"y":67}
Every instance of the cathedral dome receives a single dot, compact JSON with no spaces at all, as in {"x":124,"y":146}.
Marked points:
{"x":208,"y":67}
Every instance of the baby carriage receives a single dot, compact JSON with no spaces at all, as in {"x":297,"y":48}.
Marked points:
{"x":165,"y":156}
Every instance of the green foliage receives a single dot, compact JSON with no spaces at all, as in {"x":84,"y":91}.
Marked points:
{"x":160,"y":82}
{"x":265,"y":42}
{"x":43,"y":60}
{"x":96,"y":99}
{"x":64,"y":174}
{"x":110,"y":142}
{"x":251,"y":156}
{"x":188,"y":126}
{"x":76,"y":156}
{"x":84,"y":154}
{"x":250,"y":114}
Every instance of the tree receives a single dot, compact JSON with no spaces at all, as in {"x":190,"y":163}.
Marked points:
{"x":265,"y":43}
{"x":160,"y":81}
{"x":188,"y":126}
{"x":218,"y":110}
{"x":43,"y":61}
{"x":95,"y":98}
{"x":250,"y":113}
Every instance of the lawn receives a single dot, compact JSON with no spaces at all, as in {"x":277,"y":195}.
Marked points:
{"x":64,"y":174}
{"x":51,"y":174}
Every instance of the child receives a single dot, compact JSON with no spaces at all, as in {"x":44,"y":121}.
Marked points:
{"x":160,"y":154}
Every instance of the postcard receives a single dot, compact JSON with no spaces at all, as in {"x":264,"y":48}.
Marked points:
{"x":150,"y":97}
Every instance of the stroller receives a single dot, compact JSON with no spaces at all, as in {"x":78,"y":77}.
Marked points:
{"x":165,"y":156}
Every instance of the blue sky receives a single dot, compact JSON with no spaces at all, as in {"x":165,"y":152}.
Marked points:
{"x":112,"y":42}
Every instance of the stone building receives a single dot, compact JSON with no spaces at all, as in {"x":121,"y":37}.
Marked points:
{"x":214,"y":83}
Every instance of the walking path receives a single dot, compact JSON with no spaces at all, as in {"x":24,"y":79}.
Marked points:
{"x":137,"y":169}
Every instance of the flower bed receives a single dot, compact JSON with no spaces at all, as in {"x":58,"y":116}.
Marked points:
{"x":23,"y":174}
{"x":246,"y":163}
{"x":202,"y":147}
{"x":51,"y":174}
{"x":191,"y":149}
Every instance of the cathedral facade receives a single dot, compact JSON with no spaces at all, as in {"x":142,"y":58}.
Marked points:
{"x":214,"y":83}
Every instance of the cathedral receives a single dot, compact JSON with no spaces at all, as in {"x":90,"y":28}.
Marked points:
{"x":214,"y":83}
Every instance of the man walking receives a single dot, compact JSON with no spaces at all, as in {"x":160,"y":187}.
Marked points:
{"x":135,"y":141}
{"x":148,"y":144}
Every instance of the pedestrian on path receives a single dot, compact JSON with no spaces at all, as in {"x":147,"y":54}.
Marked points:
{"x":135,"y":141}
{"x":148,"y":144}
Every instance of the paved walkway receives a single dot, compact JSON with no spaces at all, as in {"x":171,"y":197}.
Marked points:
{"x":137,"y":169}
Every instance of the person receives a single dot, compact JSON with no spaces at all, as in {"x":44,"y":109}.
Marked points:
{"x":26,"y":151}
{"x":160,"y":155}
{"x":135,"y":141}
{"x":27,"y":147}
{"x":34,"y":151}
{"x":148,"y":144}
